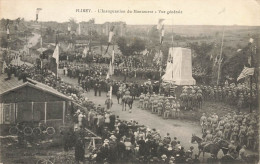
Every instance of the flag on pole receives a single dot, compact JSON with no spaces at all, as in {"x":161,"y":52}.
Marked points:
{"x":211,"y":57}
{"x":145,"y":52}
{"x":249,"y":60}
{"x":7,"y":28}
{"x":222,"y":11}
{"x":110,"y":36}
{"x":246,"y":72}
{"x":110,"y":94}
{"x":220,"y":60}
{"x":160,"y":23}
{"x":110,"y":71}
{"x":251,"y":40}
{"x":37,"y":13}
{"x":113,"y":57}
{"x":85,"y":51}
{"x":56,"y":56}
{"x":8,"y":32}
{"x":216,"y":60}
{"x":162,"y":35}
{"x":69,"y":28}
{"x":4,"y":67}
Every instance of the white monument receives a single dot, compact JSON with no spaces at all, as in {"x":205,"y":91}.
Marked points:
{"x":179,"y":67}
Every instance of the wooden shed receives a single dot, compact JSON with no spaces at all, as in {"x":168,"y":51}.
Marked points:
{"x":30,"y":101}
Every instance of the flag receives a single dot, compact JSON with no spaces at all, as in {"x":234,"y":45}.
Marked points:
{"x":110,"y":36}
{"x":220,"y":60}
{"x":162,"y":35}
{"x":111,"y":33}
{"x":216,"y":60}
{"x":110,"y":71}
{"x":113,"y":57}
{"x":246,"y":72}
{"x":159,"y":25}
{"x":4,"y":67}
{"x":85,"y":51}
{"x":121,"y":64}
{"x":56,"y":54}
{"x":145,"y":52}
{"x":8,"y":32}
{"x":37,"y":13}
{"x":222,"y":11}
{"x":251,"y":40}
{"x":249,"y":60}
{"x":69,"y":28}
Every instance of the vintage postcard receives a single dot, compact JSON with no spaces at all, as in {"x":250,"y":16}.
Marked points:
{"x":129,"y":81}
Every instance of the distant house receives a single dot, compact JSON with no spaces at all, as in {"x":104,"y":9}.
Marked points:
{"x":30,"y":101}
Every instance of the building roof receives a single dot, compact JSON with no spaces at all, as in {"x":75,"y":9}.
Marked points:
{"x":9,"y":85}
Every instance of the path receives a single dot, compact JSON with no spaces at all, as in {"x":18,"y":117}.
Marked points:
{"x":182,"y":129}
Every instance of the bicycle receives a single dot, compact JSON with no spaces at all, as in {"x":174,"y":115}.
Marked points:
{"x":42,"y":129}
{"x":22,"y":128}
{"x":15,"y":129}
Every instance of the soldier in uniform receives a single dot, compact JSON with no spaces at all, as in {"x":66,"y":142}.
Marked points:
{"x":108,"y":102}
{"x":234,"y":134}
{"x":155,"y":105}
{"x":96,"y":88}
{"x":208,"y":139}
{"x":250,"y":137}
{"x":167,"y":109}
{"x":227,"y":128}
{"x":232,"y":149}
{"x":150,"y":104}
{"x":173,"y":109}
{"x":242,"y":134}
{"x":218,"y":136}
{"x":141,"y":101}
{"x":160,"y":107}
{"x":146,"y":100}
{"x":203,"y":122}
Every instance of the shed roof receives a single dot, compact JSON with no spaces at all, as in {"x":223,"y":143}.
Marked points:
{"x":10,"y":85}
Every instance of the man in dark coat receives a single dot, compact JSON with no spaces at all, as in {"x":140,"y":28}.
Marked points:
{"x":96,"y":88}
{"x":80,"y":149}
{"x":99,"y":89}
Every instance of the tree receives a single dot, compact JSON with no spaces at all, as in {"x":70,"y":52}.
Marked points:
{"x":124,"y":47}
{"x":138,"y":45}
{"x":130,"y":46}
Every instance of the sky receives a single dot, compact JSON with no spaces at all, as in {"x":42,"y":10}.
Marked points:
{"x":193,"y":12}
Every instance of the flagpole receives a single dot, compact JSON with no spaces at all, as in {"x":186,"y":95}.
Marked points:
{"x":220,"y":56}
{"x":251,"y":79}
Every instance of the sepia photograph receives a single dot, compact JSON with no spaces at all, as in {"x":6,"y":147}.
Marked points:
{"x":129,"y":81}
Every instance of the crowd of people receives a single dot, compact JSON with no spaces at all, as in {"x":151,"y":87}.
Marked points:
{"x":77,"y":71}
{"x":239,"y":129}
{"x":167,"y":107}
{"x":232,"y":94}
{"x":127,"y":141}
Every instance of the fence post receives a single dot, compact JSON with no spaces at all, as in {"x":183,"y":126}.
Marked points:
{"x":45,"y":112}
{"x":63,"y":113}
{"x":32,"y":112}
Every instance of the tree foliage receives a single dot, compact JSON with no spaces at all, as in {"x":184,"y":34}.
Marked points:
{"x":130,"y":46}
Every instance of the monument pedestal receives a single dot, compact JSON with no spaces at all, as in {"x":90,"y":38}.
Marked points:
{"x":179,"y":67}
